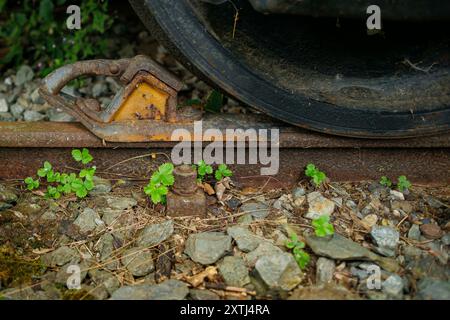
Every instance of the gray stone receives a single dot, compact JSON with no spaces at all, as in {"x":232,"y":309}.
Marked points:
{"x":246,"y":219}
{"x":3,"y":105}
{"x":6,"y":116}
{"x":104,"y":279}
{"x":36,"y":97}
{"x":414,"y":232}
{"x":65,"y":272}
{"x":411,"y":252}
{"x":386,"y":238}
{"x":298,"y":192}
{"x":17,"y":110}
{"x":31,"y":115}
{"x":198,"y":294}
{"x":397,"y":195}
{"x":87,"y":220}
{"x":101,"y":186}
{"x":264,"y":249}
{"x":106,"y":248}
{"x":319,"y":205}
{"x":59,"y":116}
{"x":338,"y":247}
{"x":110,"y":216}
{"x":446,"y":239}
{"x":97,"y":292}
{"x":138,"y":261}
{"x":246,"y":240}
{"x":155,"y":234}
{"x":393,"y":286}
{"x":23,"y":75}
{"x":61,"y":256}
{"x":324,"y":270}
{"x":119,"y":203}
{"x":167,"y":290}
{"x":433,"y":289}
{"x":256,"y":209}
{"x":49,"y":215}
{"x":208,"y":247}
{"x":279,"y":271}
{"x":99,"y":89}
{"x":7,"y":195}
{"x":361,"y":274}
{"x":234,"y":271}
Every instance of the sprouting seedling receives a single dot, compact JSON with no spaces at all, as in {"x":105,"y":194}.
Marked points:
{"x":42,"y":172}
{"x":84,"y":156}
{"x":403,"y":183}
{"x":203,"y":169}
{"x":301,"y":257}
{"x":157,"y":188}
{"x":31,"y":183}
{"x":222,"y":172}
{"x":53,"y":192}
{"x":385,"y":181}
{"x":317,"y":176}
{"x":322,"y":226}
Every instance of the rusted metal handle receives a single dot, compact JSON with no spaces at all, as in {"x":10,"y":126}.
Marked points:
{"x":56,"y":80}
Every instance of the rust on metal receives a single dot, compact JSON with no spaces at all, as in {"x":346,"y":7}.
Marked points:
{"x":147,"y":101}
{"x":185,"y":199}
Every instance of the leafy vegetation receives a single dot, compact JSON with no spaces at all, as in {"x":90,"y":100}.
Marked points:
{"x":222,"y":172}
{"x":203,"y":169}
{"x":403,"y":183}
{"x":214,"y":102}
{"x":157,"y":188}
{"x":317,"y":176}
{"x":63,"y":183}
{"x":37,"y":31}
{"x":297,"y":247}
{"x":322,"y":226}
{"x":385,"y":181}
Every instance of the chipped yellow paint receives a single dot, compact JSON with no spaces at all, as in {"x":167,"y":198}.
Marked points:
{"x":145,"y":102}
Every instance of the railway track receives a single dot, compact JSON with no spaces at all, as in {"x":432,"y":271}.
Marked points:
{"x":25,"y":146}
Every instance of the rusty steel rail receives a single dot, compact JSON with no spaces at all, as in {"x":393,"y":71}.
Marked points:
{"x":24,"y":146}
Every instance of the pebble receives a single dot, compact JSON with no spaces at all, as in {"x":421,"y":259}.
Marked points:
{"x":264,"y":249}
{"x":119,"y":203}
{"x":323,"y":292}
{"x":58,"y":116}
{"x":138,"y":261}
{"x":370,"y":220}
{"x":298,"y":192}
{"x":279,"y":271}
{"x":234,"y":271}
{"x":86,"y":220}
{"x":110,"y":216}
{"x":17,"y":110}
{"x":31,"y":115}
{"x":324,"y":270}
{"x":386,"y":238}
{"x":433,"y":289}
{"x":104,"y":279}
{"x":155,"y":234}
{"x":98,"y":89}
{"x":61,"y":256}
{"x":4,"y":105}
{"x":256,"y":209}
{"x":207,"y":247}
{"x":446,"y":239}
{"x":106,"y":248}
{"x":393,"y":286}
{"x":414,"y":232}
{"x":198,"y":294}
{"x":245,"y":239}
{"x":397,"y":195}
{"x":338,"y":247}
{"x":319,"y":205}
{"x":23,"y":75}
{"x":167,"y":290}
{"x":431,"y":231}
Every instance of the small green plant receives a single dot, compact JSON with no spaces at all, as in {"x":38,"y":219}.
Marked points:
{"x":82,"y":156}
{"x":322,"y":226}
{"x":297,"y":247}
{"x":31,"y":183}
{"x":317,"y":176}
{"x":385,"y":181}
{"x":214,"y":102}
{"x":36,"y":31}
{"x":63,"y":183}
{"x":403,"y":183}
{"x":203,"y":169}
{"x":222,"y":172}
{"x":161,"y":179}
